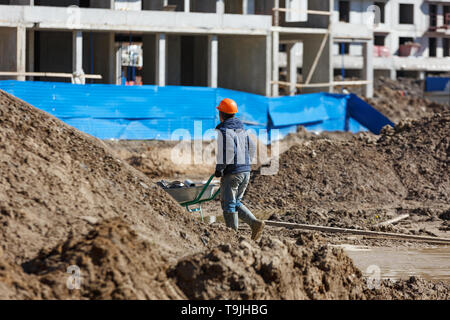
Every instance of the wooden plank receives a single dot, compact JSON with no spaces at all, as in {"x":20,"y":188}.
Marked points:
{"x":391,"y":221}
{"x":48,"y":74}
{"x":317,"y":57}
{"x":357,"y":232}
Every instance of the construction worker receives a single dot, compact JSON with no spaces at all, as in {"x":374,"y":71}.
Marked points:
{"x":234,"y":154}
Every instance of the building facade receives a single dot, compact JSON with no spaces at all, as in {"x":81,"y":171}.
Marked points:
{"x":234,"y":44}
{"x":411,"y":37}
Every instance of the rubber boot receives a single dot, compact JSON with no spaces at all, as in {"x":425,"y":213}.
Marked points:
{"x":257,"y":229}
{"x":231,"y":220}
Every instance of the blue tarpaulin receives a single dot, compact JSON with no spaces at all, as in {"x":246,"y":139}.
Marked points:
{"x":437,"y":84}
{"x":165,"y":113}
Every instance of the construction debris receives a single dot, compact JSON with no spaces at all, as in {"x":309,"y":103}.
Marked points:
{"x":393,"y":220}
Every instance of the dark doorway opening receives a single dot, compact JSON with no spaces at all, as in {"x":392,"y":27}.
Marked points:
{"x":432,"y":44}
{"x":193,"y":60}
{"x":406,"y":15}
{"x":187,"y":60}
{"x":379,"y":40}
{"x":344,"y":11}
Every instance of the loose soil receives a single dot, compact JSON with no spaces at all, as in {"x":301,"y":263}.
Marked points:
{"x":66,"y":200}
{"x":364,"y":180}
{"x":403,"y":98}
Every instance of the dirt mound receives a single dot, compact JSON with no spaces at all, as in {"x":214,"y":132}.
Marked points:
{"x":350,"y":183}
{"x":420,"y":151}
{"x":282,"y":269}
{"x":56,"y":180}
{"x":114,"y":263}
{"x":402,"y":98}
{"x":326,"y":170}
{"x":273,"y":269}
{"x":154,"y":158}
{"x":66,"y":200}
{"x":15,"y":284}
{"x":412,"y":289}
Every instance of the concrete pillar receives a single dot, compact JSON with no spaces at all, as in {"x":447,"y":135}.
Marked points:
{"x":393,"y":74}
{"x":112,"y":59}
{"x":368,"y":67}
{"x":187,"y":5}
{"x":220,"y":6}
{"x":112,"y":4}
{"x":275,"y":62}
{"x":160,"y":59}
{"x":421,"y":75}
{"x":213,"y":62}
{"x":21,"y":51}
{"x":30,"y":52}
{"x":118,"y":64}
{"x":330,"y":61}
{"x":268,"y":63}
{"x":291,"y":51}
{"x":77,"y":57}
{"x":276,"y":13}
{"x":439,"y":48}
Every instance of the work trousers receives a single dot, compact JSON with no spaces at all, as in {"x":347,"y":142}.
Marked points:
{"x":232,"y":189}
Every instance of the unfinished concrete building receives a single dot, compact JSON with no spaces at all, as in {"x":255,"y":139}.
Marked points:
{"x":232,"y":44}
{"x":411,"y":37}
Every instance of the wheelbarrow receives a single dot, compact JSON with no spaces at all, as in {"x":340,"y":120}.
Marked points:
{"x":192,"y":197}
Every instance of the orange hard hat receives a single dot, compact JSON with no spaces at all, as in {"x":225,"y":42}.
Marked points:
{"x":227,"y":106}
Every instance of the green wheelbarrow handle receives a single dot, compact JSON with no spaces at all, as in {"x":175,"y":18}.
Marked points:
{"x":199,"y":196}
